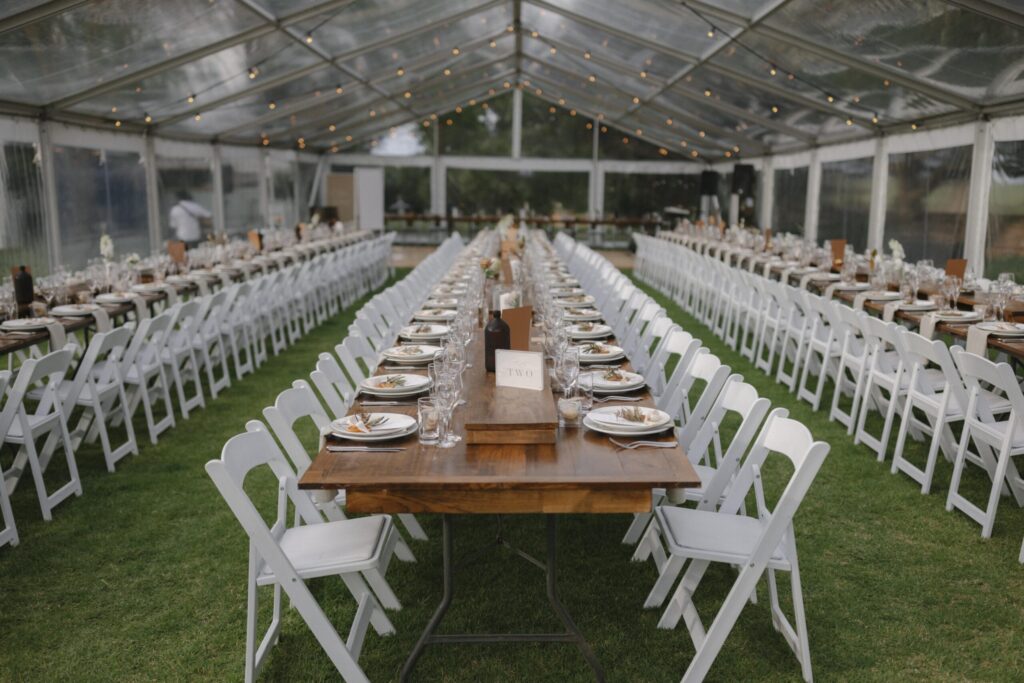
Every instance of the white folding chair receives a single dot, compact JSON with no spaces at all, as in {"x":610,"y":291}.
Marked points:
{"x":142,"y":369}
{"x":822,"y":349}
{"x":98,"y":388}
{"x":885,"y":382}
{"x":297,"y":403}
{"x":208,"y":342}
{"x":9,"y":531}
{"x":22,"y":428}
{"x":981,"y":426}
{"x":853,"y":364}
{"x":286,"y":558}
{"x":755,"y":544}
{"x":179,"y":355}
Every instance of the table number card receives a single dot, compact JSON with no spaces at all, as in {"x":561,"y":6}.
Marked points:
{"x":519,"y":369}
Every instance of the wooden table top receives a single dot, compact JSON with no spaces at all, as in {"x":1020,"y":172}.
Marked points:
{"x":582,"y":472}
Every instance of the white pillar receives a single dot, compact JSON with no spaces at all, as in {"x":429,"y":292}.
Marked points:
{"x":879,"y":194}
{"x":596,"y":208}
{"x":977,"y":200}
{"x":517,"y":123}
{"x":216,"y":168}
{"x":300,"y":211}
{"x":813,"y":197}
{"x":49,"y":177}
{"x":767,"y":204}
{"x":152,"y":195}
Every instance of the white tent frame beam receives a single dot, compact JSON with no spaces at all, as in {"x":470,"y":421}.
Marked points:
{"x":38,"y":13}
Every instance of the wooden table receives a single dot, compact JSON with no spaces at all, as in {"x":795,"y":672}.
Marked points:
{"x":582,"y":472}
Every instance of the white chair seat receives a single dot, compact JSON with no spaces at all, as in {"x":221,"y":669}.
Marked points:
{"x":332,"y":547}
{"x":35,"y":422}
{"x":713,"y":536}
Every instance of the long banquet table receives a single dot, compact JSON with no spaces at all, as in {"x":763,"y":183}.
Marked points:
{"x":1012,"y":346}
{"x":582,"y":472}
{"x":11,"y":342}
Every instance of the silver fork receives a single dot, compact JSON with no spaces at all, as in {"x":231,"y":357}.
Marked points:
{"x":605,"y":399}
{"x":645,"y":444}
{"x":362,"y":449}
{"x":386,"y":403}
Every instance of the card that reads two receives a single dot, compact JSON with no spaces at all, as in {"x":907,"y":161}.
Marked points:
{"x":519,"y":369}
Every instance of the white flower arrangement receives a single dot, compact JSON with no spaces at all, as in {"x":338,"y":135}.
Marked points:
{"x":106,"y":247}
{"x":132,"y":259}
{"x":897,"y":250}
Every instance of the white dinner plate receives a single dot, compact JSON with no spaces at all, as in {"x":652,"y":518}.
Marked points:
{"x":116,"y":298}
{"x":855,"y":285}
{"x":414,"y":384}
{"x":27,"y":324}
{"x":435,"y":315}
{"x":630,"y":381}
{"x":75,"y":310}
{"x":596,"y":421}
{"x":920,"y":306}
{"x":879,"y":295}
{"x":436,"y":332}
{"x":596,"y":331}
{"x":1002,"y":329}
{"x":441,"y":303}
{"x":575,"y":301}
{"x":826,"y":277}
{"x":404,"y":354}
{"x":613,"y":353}
{"x":566,"y":291}
{"x":582,"y":314}
{"x":396,"y":427}
{"x":957,"y":316}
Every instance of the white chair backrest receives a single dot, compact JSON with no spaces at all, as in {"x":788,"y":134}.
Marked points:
{"x":291,"y":406}
{"x":46,"y":373}
{"x":104,"y":346}
{"x":1000,"y":378}
{"x":918,"y":352}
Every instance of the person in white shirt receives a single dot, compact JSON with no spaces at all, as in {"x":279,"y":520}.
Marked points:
{"x":185,"y":217}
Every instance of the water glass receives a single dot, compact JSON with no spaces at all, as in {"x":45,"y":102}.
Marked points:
{"x":570,"y":408}
{"x":429,"y":418}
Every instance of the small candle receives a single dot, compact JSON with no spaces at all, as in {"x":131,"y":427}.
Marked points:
{"x":569,"y":408}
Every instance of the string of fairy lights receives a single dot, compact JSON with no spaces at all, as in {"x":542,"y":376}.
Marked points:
{"x":772,"y":68}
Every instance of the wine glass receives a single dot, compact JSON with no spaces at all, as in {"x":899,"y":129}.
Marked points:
{"x":445,"y":398}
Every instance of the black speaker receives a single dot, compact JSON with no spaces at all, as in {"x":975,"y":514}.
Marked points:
{"x":743,"y":180}
{"x":708,"y":183}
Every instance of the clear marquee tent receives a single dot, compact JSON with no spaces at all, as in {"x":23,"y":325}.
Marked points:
{"x":867,"y":120}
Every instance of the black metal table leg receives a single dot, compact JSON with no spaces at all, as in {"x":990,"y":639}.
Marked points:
{"x":570,"y":635}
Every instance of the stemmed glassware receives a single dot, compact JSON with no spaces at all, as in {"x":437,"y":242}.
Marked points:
{"x":951,"y":290}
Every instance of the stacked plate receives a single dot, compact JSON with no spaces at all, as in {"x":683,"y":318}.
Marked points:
{"x":423,"y":332}
{"x":395,"y":385}
{"x":148,"y":288}
{"x":412,"y":354}
{"x":600,"y":353}
{"x":575,"y":301}
{"x":435,"y":315}
{"x":27,"y":324}
{"x":116,"y":298}
{"x":75,"y":310}
{"x":1003,"y":329}
{"x":589,"y":331}
{"x":630,"y":421}
{"x":442,"y":303}
{"x":447,"y":290}
{"x":615,"y":381}
{"x":854,"y":285}
{"x":918,"y":306}
{"x":374,"y":426}
{"x":957,"y":316}
{"x":582,"y":314}
{"x":879,"y":295}
{"x":566,"y":291}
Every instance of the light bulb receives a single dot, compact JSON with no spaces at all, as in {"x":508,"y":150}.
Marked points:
{"x":148,"y":119}
{"x":309,"y":38}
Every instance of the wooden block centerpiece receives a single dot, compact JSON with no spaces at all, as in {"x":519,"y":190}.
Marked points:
{"x":511,"y":415}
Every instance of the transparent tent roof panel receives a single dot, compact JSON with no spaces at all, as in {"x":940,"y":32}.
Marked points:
{"x":663,"y":23}
{"x":573,"y":64}
{"x":210,"y":78}
{"x":950,"y":47}
{"x":356,"y":25}
{"x":439,"y":41}
{"x":857,"y":91}
{"x":578,"y":38}
{"x":95,"y":42}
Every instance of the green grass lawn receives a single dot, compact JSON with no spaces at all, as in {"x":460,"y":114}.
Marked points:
{"x":143,"y":577}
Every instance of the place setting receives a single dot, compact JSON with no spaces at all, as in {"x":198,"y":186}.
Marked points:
{"x":435,"y":315}
{"x":347,"y":433}
{"x":411,"y":354}
{"x":424,"y":332}
{"x":589,"y":330}
{"x":392,"y":387}
{"x":596,"y":352}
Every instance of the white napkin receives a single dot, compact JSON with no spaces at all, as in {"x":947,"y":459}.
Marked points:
{"x":322,"y":496}
{"x":768,"y":269}
{"x":814,"y":274}
{"x":977,"y":341}
{"x":172,"y":294}
{"x":785,"y":275}
{"x":204,"y":288}
{"x":858,"y":301}
{"x":927,"y":327}
{"x":58,"y":338}
{"x":141,"y":309}
{"x":889,"y":312}
{"x":102,"y":319}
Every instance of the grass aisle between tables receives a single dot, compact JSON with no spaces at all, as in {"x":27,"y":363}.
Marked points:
{"x":143,"y":578}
